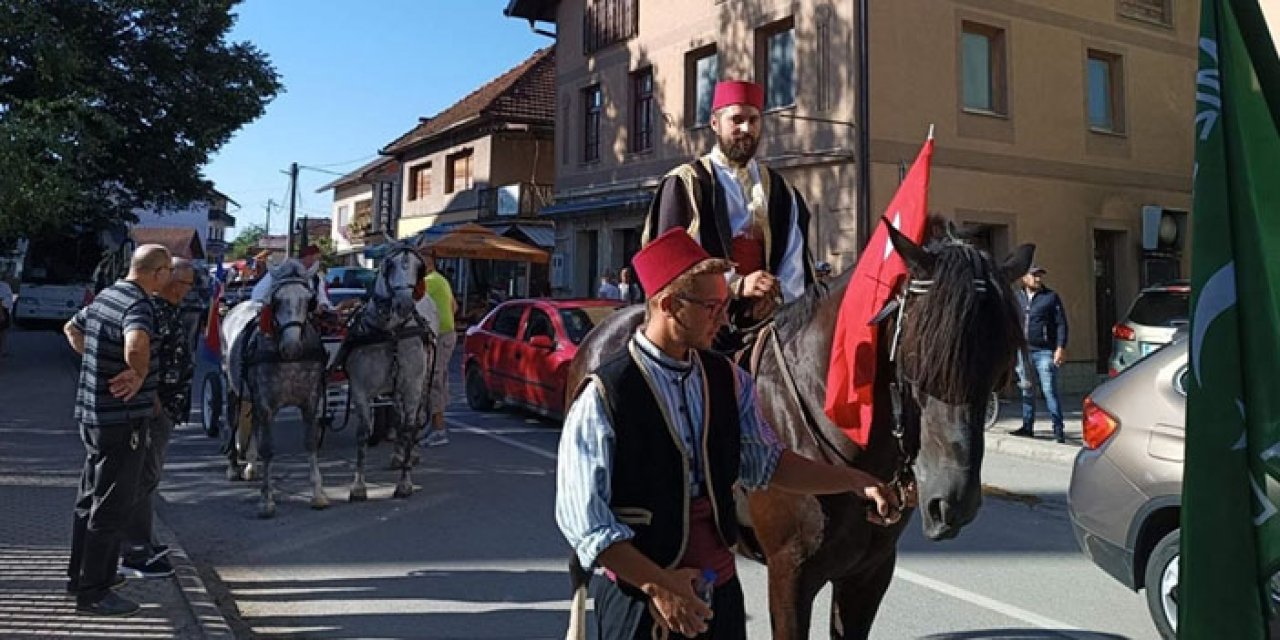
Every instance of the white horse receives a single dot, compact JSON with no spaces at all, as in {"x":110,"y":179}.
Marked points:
{"x":272,"y":358}
{"x":386,"y":348}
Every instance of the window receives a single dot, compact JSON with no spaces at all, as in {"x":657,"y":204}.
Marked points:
{"x":539,"y":324}
{"x":592,"y":105}
{"x":982,"y":60}
{"x":507,"y":320}
{"x":701,"y":72}
{"x":777,"y":63}
{"x":420,"y":181}
{"x":1104,"y":84}
{"x":607,"y":22}
{"x":344,"y":216}
{"x":642,"y":110}
{"x":459,"y":178}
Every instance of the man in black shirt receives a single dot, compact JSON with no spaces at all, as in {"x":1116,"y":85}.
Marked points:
{"x":115,"y":402}
{"x":143,"y":557}
{"x":1045,"y":323}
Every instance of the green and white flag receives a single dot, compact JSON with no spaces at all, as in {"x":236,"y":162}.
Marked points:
{"x":1231,"y":483}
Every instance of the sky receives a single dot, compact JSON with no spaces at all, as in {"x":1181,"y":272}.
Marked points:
{"x":356,"y":74}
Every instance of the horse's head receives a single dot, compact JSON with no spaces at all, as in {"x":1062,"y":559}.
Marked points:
{"x":291,"y":300}
{"x":959,"y":336}
{"x":399,"y":284}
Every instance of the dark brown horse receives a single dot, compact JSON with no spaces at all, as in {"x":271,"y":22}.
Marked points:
{"x":951,"y":340}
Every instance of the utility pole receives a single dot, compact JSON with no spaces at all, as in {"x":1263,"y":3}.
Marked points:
{"x":270,"y":203}
{"x":293,"y":205}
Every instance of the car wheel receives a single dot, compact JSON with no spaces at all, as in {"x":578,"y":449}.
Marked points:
{"x":1162,"y":584}
{"x":477,"y":395}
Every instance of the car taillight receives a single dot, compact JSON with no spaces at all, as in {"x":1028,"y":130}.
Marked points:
{"x":1122,"y":332}
{"x":1099,"y":425}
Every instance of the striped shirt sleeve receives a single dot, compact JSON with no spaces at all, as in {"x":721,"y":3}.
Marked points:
{"x":761,"y":449}
{"x":583,"y":469}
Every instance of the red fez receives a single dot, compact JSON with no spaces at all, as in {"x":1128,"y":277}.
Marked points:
{"x":731,"y":92}
{"x":665,"y":258}
{"x":311,"y":250}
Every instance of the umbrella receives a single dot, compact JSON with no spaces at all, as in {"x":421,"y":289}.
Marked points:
{"x":475,"y":241}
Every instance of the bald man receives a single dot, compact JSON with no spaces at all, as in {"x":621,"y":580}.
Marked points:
{"x":142,"y":556}
{"x":115,"y":404}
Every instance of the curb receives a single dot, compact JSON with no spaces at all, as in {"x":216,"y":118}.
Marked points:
{"x":1047,"y":451}
{"x":204,"y":610}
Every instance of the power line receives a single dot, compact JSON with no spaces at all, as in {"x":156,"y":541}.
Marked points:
{"x":319,"y":170}
{"x":339,"y":164}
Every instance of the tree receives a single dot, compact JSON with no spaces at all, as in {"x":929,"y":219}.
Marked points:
{"x":111,"y":105}
{"x":328,"y":253}
{"x":246,"y":240}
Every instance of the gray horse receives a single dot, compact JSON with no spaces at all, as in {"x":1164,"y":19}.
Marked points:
{"x":273,"y":358}
{"x":385,"y":353}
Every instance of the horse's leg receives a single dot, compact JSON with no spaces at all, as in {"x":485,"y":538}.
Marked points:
{"x":312,"y":425}
{"x":856,"y":599}
{"x":262,"y":417}
{"x":235,"y":416}
{"x":409,"y":427}
{"x":793,"y":584}
{"x":360,"y":404}
{"x":246,"y":443}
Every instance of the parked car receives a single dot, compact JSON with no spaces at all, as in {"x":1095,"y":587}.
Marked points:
{"x":1153,"y":318}
{"x":349,"y":277}
{"x":519,"y":354}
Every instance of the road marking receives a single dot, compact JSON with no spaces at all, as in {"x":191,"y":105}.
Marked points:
{"x":466,"y":427}
{"x":991,"y":604}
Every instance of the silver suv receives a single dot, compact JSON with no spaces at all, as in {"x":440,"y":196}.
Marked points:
{"x":1153,"y":318}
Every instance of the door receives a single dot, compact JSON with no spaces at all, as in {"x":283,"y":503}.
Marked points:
{"x":1104,"y":293}
{"x":503,"y":348}
{"x":537,"y":364}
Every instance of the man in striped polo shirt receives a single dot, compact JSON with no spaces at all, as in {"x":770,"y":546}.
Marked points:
{"x":115,"y":403}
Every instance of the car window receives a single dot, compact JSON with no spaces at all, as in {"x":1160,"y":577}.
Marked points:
{"x":539,"y":325}
{"x":579,"y":322}
{"x":1161,"y":308}
{"x":507,"y":321}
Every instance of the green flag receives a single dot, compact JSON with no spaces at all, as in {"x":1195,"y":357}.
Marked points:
{"x":1230,"y":493}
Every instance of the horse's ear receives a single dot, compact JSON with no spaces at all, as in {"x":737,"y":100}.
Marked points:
{"x":918,"y":260}
{"x":1017,"y":263}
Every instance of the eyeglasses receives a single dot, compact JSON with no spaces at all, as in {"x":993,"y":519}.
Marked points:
{"x":713,"y":307}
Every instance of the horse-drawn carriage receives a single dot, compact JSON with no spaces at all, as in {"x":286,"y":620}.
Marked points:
{"x":281,"y":352}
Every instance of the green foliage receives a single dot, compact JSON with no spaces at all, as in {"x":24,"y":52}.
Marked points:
{"x":110,"y":105}
{"x":245,"y":240}
{"x":328,"y":253}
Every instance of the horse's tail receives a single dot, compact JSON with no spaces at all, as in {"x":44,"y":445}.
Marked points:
{"x":578,"y":578}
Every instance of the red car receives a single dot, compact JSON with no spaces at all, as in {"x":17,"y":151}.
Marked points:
{"x":520,"y":353}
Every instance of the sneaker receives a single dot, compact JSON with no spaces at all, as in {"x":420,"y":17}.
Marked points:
{"x":112,"y":605}
{"x":1025,"y":433}
{"x":157,"y":566}
{"x":117,"y":581}
{"x":437,"y":438}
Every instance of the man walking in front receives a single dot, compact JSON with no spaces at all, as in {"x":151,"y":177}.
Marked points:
{"x":652,"y":447}
{"x":441,"y":293}
{"x":143,"y":556}
{"x":1045,"y":323}
{"x":739,"y":210}
{"x":115,"y":404}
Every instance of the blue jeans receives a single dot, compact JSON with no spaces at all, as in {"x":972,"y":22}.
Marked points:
{"x":1047,"y":372}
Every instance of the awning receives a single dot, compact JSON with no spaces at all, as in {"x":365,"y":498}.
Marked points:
{"x":475,"y":241}
{"x":541,"y":236}
{"x":632,"y":201}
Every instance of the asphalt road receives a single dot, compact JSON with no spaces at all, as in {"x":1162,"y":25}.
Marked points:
{"x":475,"y":552}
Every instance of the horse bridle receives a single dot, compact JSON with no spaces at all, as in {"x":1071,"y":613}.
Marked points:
{"x":391,"y":287}
{"x":284,"y":282}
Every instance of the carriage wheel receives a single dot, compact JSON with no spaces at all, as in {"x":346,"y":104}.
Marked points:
{"x":992,"y":414}
{"x":211,"y":403}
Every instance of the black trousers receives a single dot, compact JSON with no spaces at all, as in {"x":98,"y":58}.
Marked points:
{"x":621,"y":616}
{"x":105,"y":504}
{"x":139,"y":534}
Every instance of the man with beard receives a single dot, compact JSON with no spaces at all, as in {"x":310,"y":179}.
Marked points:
{"x":739,"y":210}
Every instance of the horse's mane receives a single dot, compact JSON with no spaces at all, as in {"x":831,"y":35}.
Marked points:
{"x":957,"y":329}
{"x":792,"y":317}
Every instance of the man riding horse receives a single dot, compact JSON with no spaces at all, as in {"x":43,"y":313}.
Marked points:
{"x":652,"y":501}
{"x":739,"y":210}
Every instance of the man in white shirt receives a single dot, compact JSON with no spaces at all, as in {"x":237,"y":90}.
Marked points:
{"x":608,"y":290}
{"x":7,"y":300}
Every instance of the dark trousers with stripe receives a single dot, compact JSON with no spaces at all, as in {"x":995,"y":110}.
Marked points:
{"x":621,"y":616}
{"x":106,"y":501}
{"x":139,"y":534}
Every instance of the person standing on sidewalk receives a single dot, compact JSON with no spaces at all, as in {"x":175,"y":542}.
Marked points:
{"x":441,"y":293}
{"x":1045,"y":323}
{"x":6,"y":310}
{"x":143,"y":557}
{"x":115,"y":404}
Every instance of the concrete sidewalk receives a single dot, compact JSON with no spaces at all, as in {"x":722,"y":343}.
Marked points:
{"x":1041,"y":447}
{"x":40,"y":460}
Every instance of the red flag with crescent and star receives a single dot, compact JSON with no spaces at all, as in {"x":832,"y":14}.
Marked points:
{"x":851,"y":376}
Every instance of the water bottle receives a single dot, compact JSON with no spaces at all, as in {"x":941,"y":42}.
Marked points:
{"x":708,"y":586}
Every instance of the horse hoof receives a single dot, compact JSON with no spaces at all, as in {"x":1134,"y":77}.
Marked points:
{"x":267,"y":511}
{"x":233,"y":474}
{"x":403,"y":490}
{"x":358,"y":495}
{"x":320,"y":502}
{"x":250,"y":473}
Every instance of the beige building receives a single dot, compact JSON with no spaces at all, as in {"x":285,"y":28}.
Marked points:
{"x":1056,"y":121}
